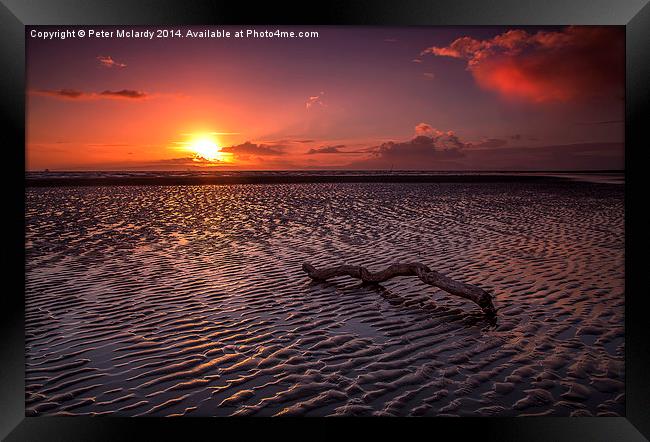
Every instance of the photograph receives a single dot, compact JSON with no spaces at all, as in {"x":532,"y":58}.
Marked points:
{"x":320,"y":221}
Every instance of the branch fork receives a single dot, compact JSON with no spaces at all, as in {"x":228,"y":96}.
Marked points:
{"x":471,"y":292}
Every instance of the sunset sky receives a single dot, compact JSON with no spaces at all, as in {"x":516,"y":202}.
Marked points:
{"x":495,"y":98}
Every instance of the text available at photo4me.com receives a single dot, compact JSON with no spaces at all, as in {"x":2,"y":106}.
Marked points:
{"x":177,"y":33}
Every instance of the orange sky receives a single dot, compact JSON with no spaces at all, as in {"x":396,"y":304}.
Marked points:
{"x":355,"y":98}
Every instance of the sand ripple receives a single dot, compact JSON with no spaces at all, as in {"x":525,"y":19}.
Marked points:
{"x":191,"y":300}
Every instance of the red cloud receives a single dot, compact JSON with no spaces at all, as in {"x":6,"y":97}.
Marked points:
{"x":315,"y":100}
{"x":423,"y":129}
{"x":577,"y":63}
{"x":449,"y":136}
{"x":109,"y":62}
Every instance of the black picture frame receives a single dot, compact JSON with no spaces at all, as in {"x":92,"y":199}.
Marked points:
{"x":16,"y":14}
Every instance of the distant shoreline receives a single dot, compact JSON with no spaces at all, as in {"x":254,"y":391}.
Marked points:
{"x":77,"y":181}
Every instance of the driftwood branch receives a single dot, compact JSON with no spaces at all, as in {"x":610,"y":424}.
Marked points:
{"x":426,"y":275}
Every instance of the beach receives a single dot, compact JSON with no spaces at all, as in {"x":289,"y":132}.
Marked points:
{"x":181,"y":298}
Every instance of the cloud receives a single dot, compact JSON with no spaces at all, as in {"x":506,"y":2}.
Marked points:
{"x":249,"y":148}
{"x":327,"y":149}
{"x":429,"y":75}
{"x":446,"y":139}
{"x":187,"y":161}
{"x":425,"y":153}
{"x":73,"y":94}
{"x":489,"y":143}
{"x":423,"y":129}
{"x":60,"y":93}
{"x":182,"y":163}
{"x":432,"y":149}
{"x":421,"y":146}
{"x":315,"y":100}
{"x":337,"y":149}
{"x":107,"y":145}
{"x":107,"y":61}
{"x":577,"y":63}
{"x":579,"y":156}
{"x":437,"y":149}
{"x":124,"y":93}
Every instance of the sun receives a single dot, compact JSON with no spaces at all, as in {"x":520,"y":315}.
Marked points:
{"x":206,"y":149}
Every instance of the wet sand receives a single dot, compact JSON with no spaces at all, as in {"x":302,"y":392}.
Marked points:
{"x":190,"y":300}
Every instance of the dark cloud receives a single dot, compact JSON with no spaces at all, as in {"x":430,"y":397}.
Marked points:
{"x":423,"y":153}
{"x":434,"y":149}
{"x":489,"y":143}
{"x":61,"y":93}
{"x":171,"y":164}
{"x":421,"y":146}
{"x":576,"y":64}
{"x":579,"y":156}
{"x":420,"y":153}
{"x":108,"y":145}
{"x":249,"y":148}
{"x":326,"y":149}
{"x":107,"y":61}
{"x":186,"y":161}
{"x":73,"y":94}
{"x":124,"y":93}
